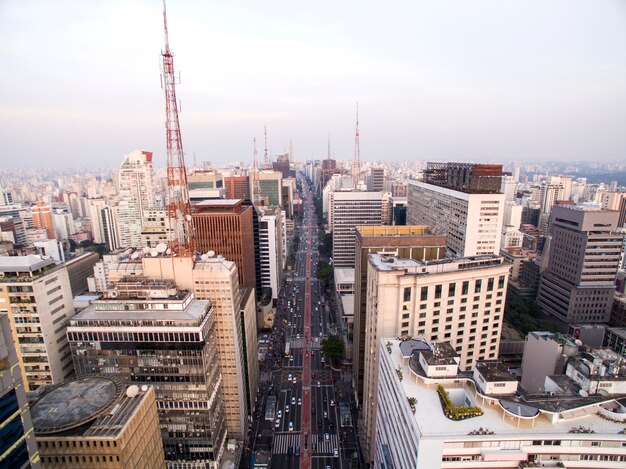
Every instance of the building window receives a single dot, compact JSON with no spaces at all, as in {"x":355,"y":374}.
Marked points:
{"x":490,"y":284}
{"x":465,"y":288}
{"x":501,"y":281}
{"x":478,"y":286}
{"x":424,"y":294}
{"x":407,"y":294}
{"x":452,"y":289}
{"x":438,"y":291}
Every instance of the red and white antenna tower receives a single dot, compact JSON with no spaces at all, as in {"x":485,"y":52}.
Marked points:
{"x":356,"y":166}
{"x":266,"y":155}
{"x":178,"y":205}
{"x":256,"y":186}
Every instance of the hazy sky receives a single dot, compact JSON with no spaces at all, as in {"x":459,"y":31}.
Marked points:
{"x":455,"y":80}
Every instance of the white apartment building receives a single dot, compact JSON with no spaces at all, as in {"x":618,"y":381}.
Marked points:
{"x":136,"y":194}
{"x":36,"y":294}
{"x":351,"y":209}
{"x":471,"y":221}
{"x":512,"y":430}
{"x":459,"y":301}
{"x":155,"y":227}
{"x":272,"y":249}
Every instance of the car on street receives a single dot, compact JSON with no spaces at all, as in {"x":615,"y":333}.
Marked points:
{"x":290,"y":426}
{"x":293,"y":401}
{"x":335,"y":453}
{"x":277,"y":423}
{"x":332,"y":403}
{"x":325,"y":414}
{"x":299,"y":401}
{"x":319,"y":384}
{"x":279,"y":414}
{"x":287,"y":409}
{"x":326,"y":437}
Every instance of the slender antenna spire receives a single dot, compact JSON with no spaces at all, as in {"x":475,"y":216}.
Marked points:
{"x":328,"y":156}
{"x":256,"y":186}
{"x":356,"y":166}
{"x":266,"y":156}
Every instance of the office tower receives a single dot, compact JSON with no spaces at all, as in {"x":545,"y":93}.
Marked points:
{"x":560,"y":428}
{"x":376,"y":179}
{"x":458,"y":301}
{"x":288,"y":195}
{"x":399,"y":189}
{"x":207,"y":179}
{"x":282,"y":165}
{"x":272,"y":249}
{"x":6,"y":197}
{"x":351,"y":209}
{"x":136,"y":194}
{"x":509,"y":188}
{"x":616,"y":201}
{"x":18,"y":448}
{"x":148,"y":332}
{"x":103,"y":424}
{"x":237,"y":187}
{"x":111,"y":221}
{"x":226,"y":227}
{"x":329,"y":168}
{"x":409,"y":242}
{"x":269,"y":187}
{"x":584,"y":255}
{"x":42,"y":218}
{"x":94,"y":214}
{"x":38,"y":296}
{"x":63,"y":222}
{"x":461,"y":201}
{"x":216,"y":279}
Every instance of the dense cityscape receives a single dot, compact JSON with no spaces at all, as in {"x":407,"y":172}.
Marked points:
{"x":287,"y":311}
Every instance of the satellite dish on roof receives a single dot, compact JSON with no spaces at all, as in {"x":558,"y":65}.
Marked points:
{"x":168,"y":251}
{"x":188,"y":217}
{"x":583,"y":393}
{"x":211,"y":253}
{"x":154,"y":252}
{"x":144,"y":388}
{"x":132,"y":390}
{"x":134,"y":255}
{"x":161,"y":248}
{"x":578,"y":342}
{"x":204,"y":257}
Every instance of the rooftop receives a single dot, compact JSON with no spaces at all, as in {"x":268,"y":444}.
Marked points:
{"x":96,"y":406}
{"x":500,"y":412}
{"x":30,"y":263}
{"x":389,"y":262}
{"x":493,"y":370}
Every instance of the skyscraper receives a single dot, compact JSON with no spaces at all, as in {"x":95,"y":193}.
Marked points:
{"x":136,"y":194}
{"x":459,"y":301}
{"x":463,"y":202}
{"x":351,"y":209}
{"x":38,"y":295}
{"x":583,"y":258}
{"x":408,"y":242}
{"x":225,"y":226}
{"x":42,"y":217}
{"x":149,"y":332}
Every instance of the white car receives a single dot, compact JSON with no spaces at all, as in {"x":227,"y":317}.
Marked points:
{"x":279,"y":414}
{"x":299,"y":401}
{"x":290,"y":426}
{"x":293,"y":401}
{"x":277,"y":423}
{"x":294,"y":380}
{"x":287,"y":409}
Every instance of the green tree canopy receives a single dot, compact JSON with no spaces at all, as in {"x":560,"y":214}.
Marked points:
{"x":333,"y":347}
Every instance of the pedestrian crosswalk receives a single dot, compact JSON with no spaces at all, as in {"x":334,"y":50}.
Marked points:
{"x":324,"y":446}
{"x":282,"y":441}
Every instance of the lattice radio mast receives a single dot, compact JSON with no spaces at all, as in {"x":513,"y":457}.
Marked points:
{"x":178,"y":206}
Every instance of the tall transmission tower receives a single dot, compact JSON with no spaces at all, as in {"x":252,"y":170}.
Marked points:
{"x":178,"y":205}
{"x":356,"y":165}
{"x":266,"y":155}
{"x":256,"y":186}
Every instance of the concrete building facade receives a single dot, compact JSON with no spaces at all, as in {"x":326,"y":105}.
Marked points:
{"x":458,"y":301}
{"x":579,"y":282}
{"x":408,"y":242}
{"x":37,"y":295}
{"x":147,"y":332}
{"x":471,"y":221}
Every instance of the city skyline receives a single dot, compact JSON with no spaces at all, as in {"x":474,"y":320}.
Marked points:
{"x":479,"y":81}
